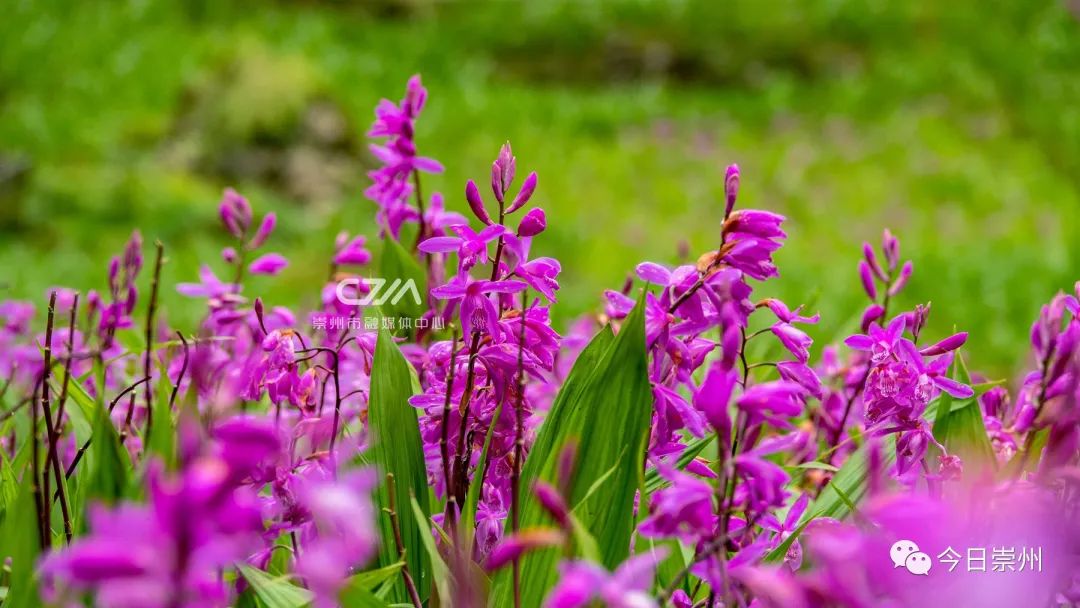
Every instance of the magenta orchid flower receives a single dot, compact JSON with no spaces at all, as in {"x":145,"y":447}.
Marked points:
{"x":478,"y":312}
{"x":880,"y":343}
{"x":471,"y":246}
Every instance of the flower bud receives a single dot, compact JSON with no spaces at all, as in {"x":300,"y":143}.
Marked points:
{"x":891,"y":247}
{"x":271,"y":264}
{"x":472,"y":195}
{"x":917,"y":319}
{"x":553,"y":503}
{"x":229,"y":255}
{"x":731,"y":188}
{"x":951,"y":343}
{"x":871,"y":259}
{"x":266,"y":228}
{"x":415,"y":96}
{"x":235,"y":212}
{"x":901,"y":281}
{"x":867,"y":278}
{"x":872,"y":313}
{"x":259,"y":312}
{"x":533,"y":223}
{"x":523,"y":195}
{"x":502,"y":172}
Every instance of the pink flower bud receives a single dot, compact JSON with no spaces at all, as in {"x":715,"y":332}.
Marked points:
{"x":266,"y":228}
{"x":951,"y":343}
{"x":871,"y":259}
{"x":891,"y":247}
{"x":901,"y":281}
{"x":731,"y":188}
{"x":502,"y":172}
{"x":553,"y":503}
{"x":513,"y":547}
{"x":472,"y":195}
{"x":271,"y":263}
{"x":533,"y":223}
{"x":867,"y":278}
{"x":872,"y":313}
{"x":523,"y":195}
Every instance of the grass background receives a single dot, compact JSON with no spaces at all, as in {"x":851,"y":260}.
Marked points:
{"x":954,"y":124}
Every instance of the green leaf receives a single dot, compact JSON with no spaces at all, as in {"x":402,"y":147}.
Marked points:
{"x":852,"y":481}
{"x":163,"y":432}
{"x":356,"y":597}
{"x":360,"y":588}
{"x":111,"y":463}
{"x":84,"y":414}
{"x":9,"y":483}
{"x":822,"y":466}
{"x":399,"y":264}
{"x":439,"y":573}
{"x":605,"y":409}
{"x":275,"y":592}
{"x":396,"y":448}
{"x":583,"y":540}
{"x":19,"y":541}
{"x":959,"y":427}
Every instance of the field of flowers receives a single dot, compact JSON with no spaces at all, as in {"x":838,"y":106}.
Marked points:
{"x":427,"y":436}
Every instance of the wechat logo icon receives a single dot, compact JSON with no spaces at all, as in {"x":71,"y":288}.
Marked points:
{"x":906,"y":554}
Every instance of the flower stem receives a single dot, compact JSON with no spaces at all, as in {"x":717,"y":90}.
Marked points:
{"x":148,"y":391}
{"x":519,"y":448}
{"x":391,"y":491}
{"x":444,"y":443}
{"x":52,"y":458}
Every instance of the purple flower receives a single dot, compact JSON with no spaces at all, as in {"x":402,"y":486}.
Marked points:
{"x":581,"y":582}
{"x":936,"y":371}
{"x":801,"y":374}
{"x":171,"y":552}
{"x":682,"y":510}
{"x":541,"y":274}
{"x":794,"y":340}
{"x":270,"y":263}
{"x":772,"y":402}
{"x":880,"y":343}
{"x":345,"y":535}
{"x":471,"y":247}
{"x":714,"y":396}
{"x":478,"y":312}
{"x":354,"y":253}
{"x":208,"y":287}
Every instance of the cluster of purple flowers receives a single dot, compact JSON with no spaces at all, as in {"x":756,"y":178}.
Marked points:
{"x":755,"y":450}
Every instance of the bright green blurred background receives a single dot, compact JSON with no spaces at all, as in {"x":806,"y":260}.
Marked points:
{"x":957,"y":124}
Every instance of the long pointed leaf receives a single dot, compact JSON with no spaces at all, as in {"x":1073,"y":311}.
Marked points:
{"x":605,"y":408}
{"x":396,"y":448}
